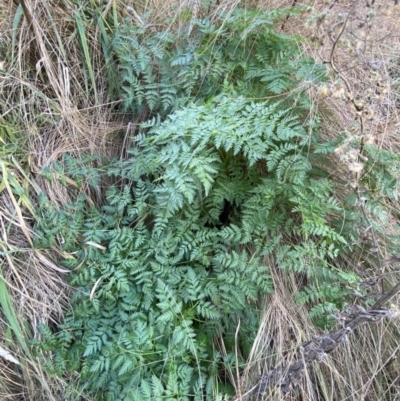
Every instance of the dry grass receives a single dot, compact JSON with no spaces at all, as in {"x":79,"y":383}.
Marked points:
{"x":55,"y":81}
{"x":53,"y":101}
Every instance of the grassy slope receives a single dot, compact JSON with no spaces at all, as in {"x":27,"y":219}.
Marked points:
{"x":57,"y":83}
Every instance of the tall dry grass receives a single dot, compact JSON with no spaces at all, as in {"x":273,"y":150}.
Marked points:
{"x":59,"y":93}
{"x":56,"y":82}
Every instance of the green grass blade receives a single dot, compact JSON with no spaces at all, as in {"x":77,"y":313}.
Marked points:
{"x":86,"y":53}
{"x":10,"y":315}
{"x":16,"y":21}
{"x":60,"y":46}
{"x":111,"y":68}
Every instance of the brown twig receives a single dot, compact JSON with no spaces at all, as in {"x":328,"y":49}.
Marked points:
{"x":289,"y":376}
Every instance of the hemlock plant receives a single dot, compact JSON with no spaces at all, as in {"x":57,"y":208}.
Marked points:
{"x":219,"y":184}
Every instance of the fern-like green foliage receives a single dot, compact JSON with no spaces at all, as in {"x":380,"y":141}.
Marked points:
{"x":161,"y":72}
{"x":211,"y":192}
{"x":181,"y":251}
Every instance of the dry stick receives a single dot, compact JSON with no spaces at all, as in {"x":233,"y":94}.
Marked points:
{"x":287,"y":376}
{"x":361,"y":119}
{"x":27,"y":13}
{"x":237,"y":364}
{"x":331,"y":62}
